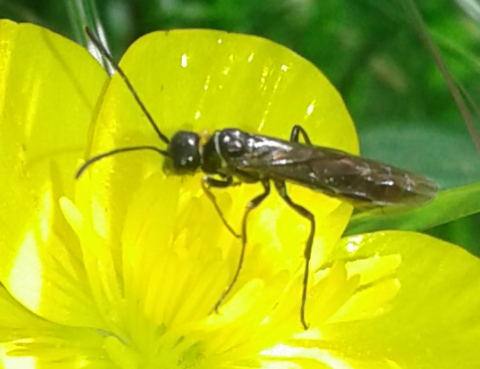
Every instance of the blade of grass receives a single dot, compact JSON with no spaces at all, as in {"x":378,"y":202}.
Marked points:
{"x":419,"y":24}
{"x":83,"y":13}
{"x":449,"y":205}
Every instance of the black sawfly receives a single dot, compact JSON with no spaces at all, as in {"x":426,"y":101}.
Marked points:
{"x":230,"y":157}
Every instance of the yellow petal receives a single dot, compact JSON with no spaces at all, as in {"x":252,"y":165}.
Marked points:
{"x":49,"y":90}
{"x":434,"y":319}
{"x":206,"y":80}
{"x":28,"y":341}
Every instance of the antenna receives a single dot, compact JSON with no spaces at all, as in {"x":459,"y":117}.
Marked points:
{"x":98,"y":157}
{"x":117,"y":68}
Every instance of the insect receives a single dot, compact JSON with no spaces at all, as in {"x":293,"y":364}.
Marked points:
{"x":231,"y":156}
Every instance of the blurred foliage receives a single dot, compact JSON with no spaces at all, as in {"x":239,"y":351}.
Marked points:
{"x":369,"y":49}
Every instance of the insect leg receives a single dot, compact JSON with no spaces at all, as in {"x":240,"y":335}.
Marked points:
{"x":282,"y":191}
{"x":254,"y":203}
{"x":212,"y":182}
{"x":296,"y":130}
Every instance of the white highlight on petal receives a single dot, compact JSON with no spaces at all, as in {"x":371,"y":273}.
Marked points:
{"x":281,"y":351}
{"x":263,"y":78}
{"x":26,"y":275}
{"x":207,"y":82}
{"x":333,"y":361}
{"x":16,"y":362}
{"x":352,"y":247}
{"x":310,"y":108}
{"x":354,"y":243}
{"x":184,"y":60}
{"x":322,"y":356}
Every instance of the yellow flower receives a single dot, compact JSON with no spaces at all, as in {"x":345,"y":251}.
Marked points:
{"x":122,"y":268}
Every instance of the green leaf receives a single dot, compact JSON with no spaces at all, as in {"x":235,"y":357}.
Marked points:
{"x":448,"y":206}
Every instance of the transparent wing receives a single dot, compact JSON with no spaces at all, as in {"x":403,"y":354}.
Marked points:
{"x":363,"y":182}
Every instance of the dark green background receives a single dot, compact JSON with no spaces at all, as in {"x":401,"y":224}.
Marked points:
{"x":370,"y":50}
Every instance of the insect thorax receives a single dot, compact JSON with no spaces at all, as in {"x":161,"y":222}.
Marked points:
{"x":212,"y":162}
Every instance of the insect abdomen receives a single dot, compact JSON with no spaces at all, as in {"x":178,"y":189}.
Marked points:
{"x":389,"y":186}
